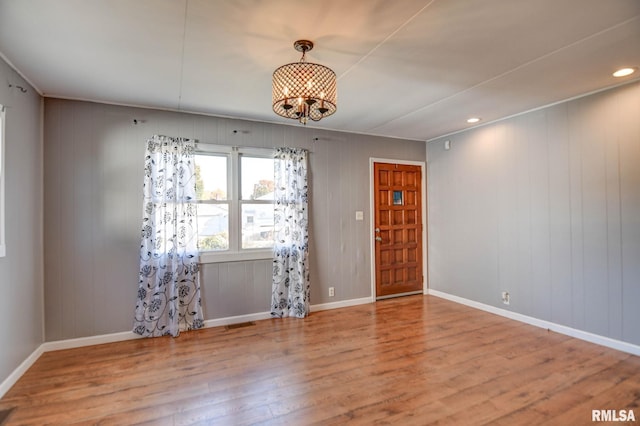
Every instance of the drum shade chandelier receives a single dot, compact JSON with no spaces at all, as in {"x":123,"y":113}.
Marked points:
{"x":304,"y":90}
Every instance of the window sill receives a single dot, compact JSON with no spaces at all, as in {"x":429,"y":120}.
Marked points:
{"x":213,"y":257}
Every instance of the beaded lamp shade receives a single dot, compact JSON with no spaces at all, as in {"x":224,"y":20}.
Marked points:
{"x":304,"y":90}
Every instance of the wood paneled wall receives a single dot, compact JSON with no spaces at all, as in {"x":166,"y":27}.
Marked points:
{"x":21,"y":269}
{"x":93,"y":188}
{"x":546,"y":206}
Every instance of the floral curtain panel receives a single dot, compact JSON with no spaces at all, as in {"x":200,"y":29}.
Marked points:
{"x":169,"y":288}
{"x":290,"y":291}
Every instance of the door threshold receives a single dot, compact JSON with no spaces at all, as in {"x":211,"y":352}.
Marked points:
{"x":390,"y":296}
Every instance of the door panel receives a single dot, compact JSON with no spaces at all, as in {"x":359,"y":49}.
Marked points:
{"x":398,"y":228}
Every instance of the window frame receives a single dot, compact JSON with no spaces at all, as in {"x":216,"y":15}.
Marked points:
{"x":235,"y":252}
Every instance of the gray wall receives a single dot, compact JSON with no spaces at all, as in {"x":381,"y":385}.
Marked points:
{"x":21,"y":270}
{"x":93,"y":189}
{"x":546,"y":206}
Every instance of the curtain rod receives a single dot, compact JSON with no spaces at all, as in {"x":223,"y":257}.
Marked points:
{"x":233,"y":147}
{"x":239,"y":147}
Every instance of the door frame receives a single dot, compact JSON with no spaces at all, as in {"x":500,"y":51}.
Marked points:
{"x":372,"y":221}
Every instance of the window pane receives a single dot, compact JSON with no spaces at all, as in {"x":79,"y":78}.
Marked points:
{"x":211,"y":177}
{"x":257,"y":178}
{"x":257,"y":225}
{"x":213,"y":227}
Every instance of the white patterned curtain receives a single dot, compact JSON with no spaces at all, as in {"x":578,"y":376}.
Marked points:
{"x":169,"y":288}
{"x":290,"y":292}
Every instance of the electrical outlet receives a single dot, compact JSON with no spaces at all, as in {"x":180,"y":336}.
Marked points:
{"x":505,"y":297}
{"x":332,"y":291}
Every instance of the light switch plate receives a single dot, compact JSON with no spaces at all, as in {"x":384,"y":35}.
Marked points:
{"x":359,"y":215}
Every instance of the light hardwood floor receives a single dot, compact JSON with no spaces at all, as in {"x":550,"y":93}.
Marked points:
{"x":412,"y":360}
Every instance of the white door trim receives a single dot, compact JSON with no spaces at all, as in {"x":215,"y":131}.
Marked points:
{"x":372,"y":247}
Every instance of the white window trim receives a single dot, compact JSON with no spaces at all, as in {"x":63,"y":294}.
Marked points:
{"x":3,"y":126}
{"x":235,"y":253}
{"x":225,"y":256}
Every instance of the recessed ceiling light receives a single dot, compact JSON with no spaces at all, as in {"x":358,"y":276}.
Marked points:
{"x":623,"y":72}
{"x":473,"y":120}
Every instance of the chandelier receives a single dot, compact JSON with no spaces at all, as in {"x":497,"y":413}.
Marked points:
{"x":304,"y":90}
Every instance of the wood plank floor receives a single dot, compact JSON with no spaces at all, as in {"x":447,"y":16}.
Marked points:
{"x":413,"y":360}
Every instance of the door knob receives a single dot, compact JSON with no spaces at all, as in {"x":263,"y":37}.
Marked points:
{"x":377,"y":230}
{"x":378,"y":238}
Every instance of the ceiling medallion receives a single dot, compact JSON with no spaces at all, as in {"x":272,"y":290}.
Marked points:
{"x":304,"y":90}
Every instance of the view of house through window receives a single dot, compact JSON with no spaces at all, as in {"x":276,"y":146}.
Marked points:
{"x":213,"y":203}
{"x":257,"y":201}
{"x":235,"y":201}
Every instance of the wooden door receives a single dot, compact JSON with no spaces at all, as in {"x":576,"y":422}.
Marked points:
{"x":398,"y":229}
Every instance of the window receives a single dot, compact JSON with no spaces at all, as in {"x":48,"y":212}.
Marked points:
{"x":235,"y":203}
{"x":3,"y":247}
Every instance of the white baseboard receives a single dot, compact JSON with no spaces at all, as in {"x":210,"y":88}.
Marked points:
{"x":578,"y":334}
{"x":88,"y":341}
{"x":267,"y":315}
{"x":340,"y":304}
{"x":18,"y":372}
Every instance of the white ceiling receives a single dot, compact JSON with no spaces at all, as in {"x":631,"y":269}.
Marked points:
{"x":406,"y":68}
